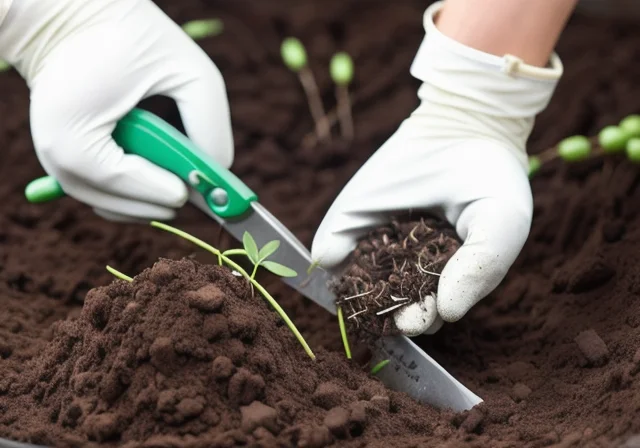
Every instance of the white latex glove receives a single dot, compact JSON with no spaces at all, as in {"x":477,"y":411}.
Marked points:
{"x":461,"y":152}
{"x":87,"y":64}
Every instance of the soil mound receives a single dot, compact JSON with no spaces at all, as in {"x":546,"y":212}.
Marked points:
{"x":186,"y":356}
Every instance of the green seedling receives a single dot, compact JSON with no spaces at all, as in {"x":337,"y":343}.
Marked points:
{"x":119,"y":274}
{"x":631,"y":125}
{"x":378,"y":367}
{"x":223,"y":258}
{"x":574,"y":149}
{"x":342,"y":74}
{"x":633,"y":150}
{"x":343,"y":333}
{"x":610,"y":140}
{"x":294,"y":56}
{"x":259,"y":257}
{"x":4,"y":66}
{"x":534,"y":165}
{"x":201,"y":29}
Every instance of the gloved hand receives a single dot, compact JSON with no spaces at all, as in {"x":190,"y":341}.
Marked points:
{"x":87,"y":64}
{"x":461,"y":152}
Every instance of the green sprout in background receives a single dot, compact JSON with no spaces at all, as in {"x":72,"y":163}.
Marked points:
{"x":294,"y":56}
{"x":623,"y":138}
{"x":4,"y":66}
{"x":201,"y":29}
{"x":342,"y":75}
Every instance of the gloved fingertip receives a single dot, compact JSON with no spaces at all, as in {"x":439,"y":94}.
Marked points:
{"x":413,"y":320}
{"x":330,"y":250}
{"x":435,"y":326}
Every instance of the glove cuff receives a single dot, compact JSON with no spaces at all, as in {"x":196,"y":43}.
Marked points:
{"x":500,"y":86}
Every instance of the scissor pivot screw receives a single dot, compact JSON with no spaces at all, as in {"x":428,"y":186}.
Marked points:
{"x":219,"y":196}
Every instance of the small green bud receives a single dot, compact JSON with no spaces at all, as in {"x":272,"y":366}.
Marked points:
{"x":631,"y":125}
{"x":341,"y":68}
{"x":534,"y":165}
{"x":612,"y":139}
{"x":575,"y":148}
{"x":293,"y":53}
{"x":4,"y":66}
{"x":200,"y":29}
{"x":633,"y":150}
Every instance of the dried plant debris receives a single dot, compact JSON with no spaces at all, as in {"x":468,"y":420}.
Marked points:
{"x":392,"y":267}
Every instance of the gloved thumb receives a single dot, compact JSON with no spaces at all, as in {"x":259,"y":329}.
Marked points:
{"x":494,"y":231}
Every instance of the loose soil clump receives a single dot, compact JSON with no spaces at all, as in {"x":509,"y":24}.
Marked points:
{"x":393,"y":266}
{"x":186,"y":356}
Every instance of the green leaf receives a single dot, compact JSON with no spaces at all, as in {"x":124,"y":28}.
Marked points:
{"x":200,"y":29}
{"x":251,"y":247}
{"x":293,"y":53}
{"x":268,"y":249}
{"x":341,"y":68}
{"x":278,"y":269}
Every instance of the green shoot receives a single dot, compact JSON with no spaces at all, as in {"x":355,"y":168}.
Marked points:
{"x":312,"y":266}
{"x":378,"y":367}
{"x":201,"y":29}
{"x":4,"y":66}
{"x":343,"y":333}
{"x":259,"y":257}
{"x":224,"y":258}
{"x":342,"y":74}
{"x":119,"y":274}
{"x":341,"y":69}
{"x":611,"y":139}
{"x":294,"y":56}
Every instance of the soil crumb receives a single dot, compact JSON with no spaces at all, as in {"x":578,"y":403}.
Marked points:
{"x":392,"y":267}
{"x":186,"y":356}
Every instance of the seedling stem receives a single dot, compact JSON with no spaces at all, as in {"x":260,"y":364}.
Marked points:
{"x":343,"y":333}
{"x":119,"y":274}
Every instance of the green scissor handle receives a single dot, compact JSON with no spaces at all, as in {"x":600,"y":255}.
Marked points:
{"x":142,"y":133}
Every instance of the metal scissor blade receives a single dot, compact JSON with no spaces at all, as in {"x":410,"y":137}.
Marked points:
{"x":410,"y":369}
{"x":264,"y":227}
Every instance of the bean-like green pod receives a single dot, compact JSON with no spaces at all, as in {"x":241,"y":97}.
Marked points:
{"x":200,"y":29}
{"x":612,"y":139}
{"x":631,"y":125}
{"x":633,"y":149}
{"x":534,"y":165}
{"x":574,"y":148}
{"x":341,"y":68}
{"x":293,"y":53}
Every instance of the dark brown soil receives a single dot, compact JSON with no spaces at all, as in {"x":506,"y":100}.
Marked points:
{"x":393,"y":266}
{"x":185,"y":355}
{"x":554,"y":351}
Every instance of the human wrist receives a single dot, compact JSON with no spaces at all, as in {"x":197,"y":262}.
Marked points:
{"x":528,"y":30}
{"x":470,"y":94}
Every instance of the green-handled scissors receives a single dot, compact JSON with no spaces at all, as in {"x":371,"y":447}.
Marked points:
{"x":225,"y":198}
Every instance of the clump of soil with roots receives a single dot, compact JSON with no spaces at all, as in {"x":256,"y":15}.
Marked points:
{"x":392,"y":267}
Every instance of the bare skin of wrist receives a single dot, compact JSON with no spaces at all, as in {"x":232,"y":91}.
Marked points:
{"x":528,"y":29}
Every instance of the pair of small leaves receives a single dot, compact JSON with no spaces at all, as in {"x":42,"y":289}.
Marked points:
{"x":259,"y":257}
